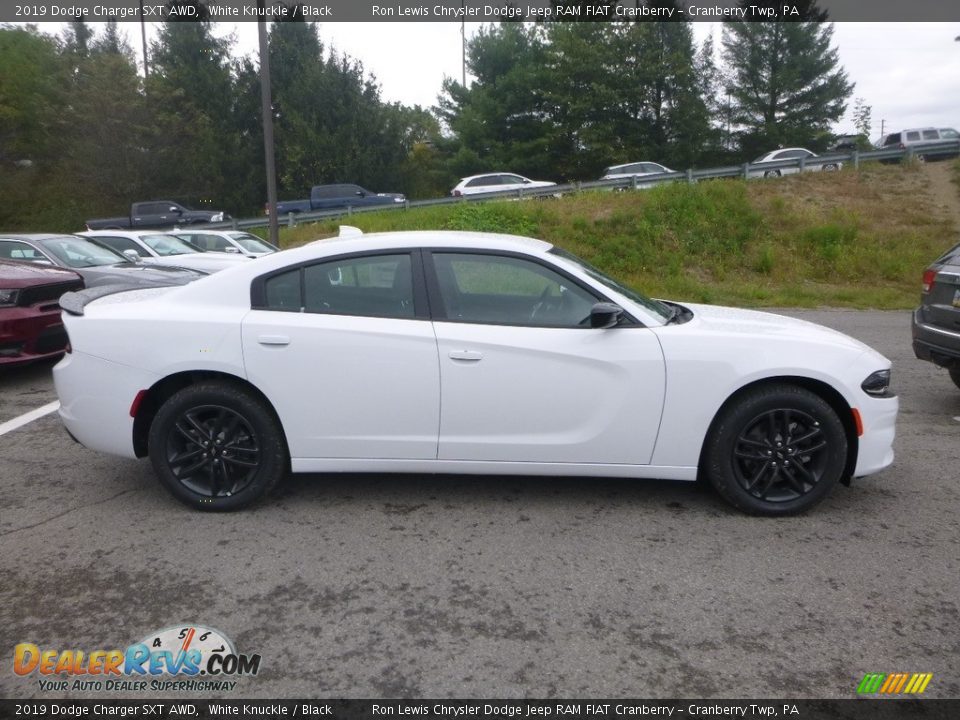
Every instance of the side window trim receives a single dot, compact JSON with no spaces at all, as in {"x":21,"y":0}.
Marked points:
{"x":438,"y":310}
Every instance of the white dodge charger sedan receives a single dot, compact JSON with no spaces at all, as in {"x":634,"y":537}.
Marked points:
{"x":447,"y":352}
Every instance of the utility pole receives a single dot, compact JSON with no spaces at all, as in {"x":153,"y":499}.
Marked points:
{"x":267,"y":108}
{"x":143,"y":41}
{"x":463,"y":42}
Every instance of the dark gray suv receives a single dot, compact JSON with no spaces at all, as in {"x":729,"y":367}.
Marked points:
{"x":936,"y":323}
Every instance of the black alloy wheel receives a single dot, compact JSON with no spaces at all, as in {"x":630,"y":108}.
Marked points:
{"x":213,"y":450}
{"x":776,"y":450}
{"x":781,"y":455}
{"x":216,"y":446}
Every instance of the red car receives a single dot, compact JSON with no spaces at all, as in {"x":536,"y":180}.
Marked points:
{"x":30,"y":326}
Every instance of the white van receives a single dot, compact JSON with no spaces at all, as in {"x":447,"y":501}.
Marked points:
{"x":925,"y":140}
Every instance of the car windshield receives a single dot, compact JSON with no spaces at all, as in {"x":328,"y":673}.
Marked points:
{"x":760,"y":159}
{"x":654,"y":306}
{"x":164,"y":245}
{"x":77,"y":252}
{"x":252,"y":243}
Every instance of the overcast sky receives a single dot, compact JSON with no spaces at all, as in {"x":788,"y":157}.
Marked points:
{"x":908,"y":72}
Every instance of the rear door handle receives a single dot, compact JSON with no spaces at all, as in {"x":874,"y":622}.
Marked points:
{"x":274,"y":340}
{"x":466,"y":355}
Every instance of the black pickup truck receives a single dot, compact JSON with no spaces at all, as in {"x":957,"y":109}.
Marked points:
{"x":331,"y":197}
{"x":158,"y":214}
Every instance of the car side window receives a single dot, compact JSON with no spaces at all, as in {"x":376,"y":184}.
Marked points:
{"x":13,"y":250}
{"x":913,"y":135}
{"x":121,"y":243}
{"x":931,"y":135}
{"x":372,"y":286}
{"x":949,"y":134}
{"x":209,"y":242}
{"x":485,"y":180}
{"x":283,"y":291}
{"x":508,"y":290}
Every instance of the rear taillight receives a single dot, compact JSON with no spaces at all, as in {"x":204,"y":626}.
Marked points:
{"x":929,"y":275}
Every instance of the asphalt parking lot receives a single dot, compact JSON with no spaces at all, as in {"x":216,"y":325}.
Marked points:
{"x":438,"y":586}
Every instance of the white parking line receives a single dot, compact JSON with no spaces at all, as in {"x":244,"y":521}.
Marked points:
{"x":29,"y":417}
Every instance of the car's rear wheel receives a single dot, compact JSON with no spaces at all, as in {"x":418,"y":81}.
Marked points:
{"x":829,"y":168}
{"x":215,"y":446}
{"x":778,"y":450}
{"x":955,"y":375}
{"x":771,"y":174}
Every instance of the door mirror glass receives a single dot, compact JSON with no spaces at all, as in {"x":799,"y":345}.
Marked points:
{"x":131,"y":255}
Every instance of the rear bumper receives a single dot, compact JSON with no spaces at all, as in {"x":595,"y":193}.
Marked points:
{"x":934,"y":343}
{"x":98,"y":419}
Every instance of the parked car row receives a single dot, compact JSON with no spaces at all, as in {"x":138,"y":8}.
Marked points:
{"x":494,"y":182}
{"x":36,"y":269}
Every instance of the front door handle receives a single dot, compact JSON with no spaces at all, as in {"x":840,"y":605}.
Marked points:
{"x":273,"y":340}
{"x":466,"y":355}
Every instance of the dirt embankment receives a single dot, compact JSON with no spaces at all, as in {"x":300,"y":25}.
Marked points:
{"x":943,"y":191}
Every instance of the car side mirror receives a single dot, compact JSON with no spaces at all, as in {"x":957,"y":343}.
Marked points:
{"x":605,"y":315}
{"x":360,"y":193}
{"x":132,"y":255}
{"x":527,"y":182}
{"x":176,"y":210}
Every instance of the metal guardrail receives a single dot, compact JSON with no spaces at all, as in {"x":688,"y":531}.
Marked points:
{"x":746,"y":171}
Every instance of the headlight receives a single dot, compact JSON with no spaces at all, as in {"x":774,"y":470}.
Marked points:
{"x":8,"y":298}
{"x":877,"y":384}
{"x":217,"y":218}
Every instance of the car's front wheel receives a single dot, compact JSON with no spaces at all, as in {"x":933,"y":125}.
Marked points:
{"x":829,"y":168}
{"x":777,"y":450}
{"x":771,"y":174}
{"x":216,"y":446}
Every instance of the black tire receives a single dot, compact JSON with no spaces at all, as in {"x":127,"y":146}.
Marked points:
{"x":771,"y":174}
{"x":955,"y":375}
{"x":777,"y":450}
{"x":217,"y":447}
{"x":829,"y":168}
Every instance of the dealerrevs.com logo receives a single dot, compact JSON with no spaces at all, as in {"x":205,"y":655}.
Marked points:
{"x":186,"y":657}
{"x":894,"y":683}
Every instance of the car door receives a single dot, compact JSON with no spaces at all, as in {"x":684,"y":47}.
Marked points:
{"x":525,"y":379}
{"x":512,"y":182}
{"x":153,"y":214}
{"x":345,"y":350}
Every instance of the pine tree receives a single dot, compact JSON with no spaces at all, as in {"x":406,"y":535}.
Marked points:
{"x":785,"y":81}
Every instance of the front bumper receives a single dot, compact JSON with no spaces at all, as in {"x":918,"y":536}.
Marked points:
{"x":28,"y":334}
{"x":934,"y":343}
